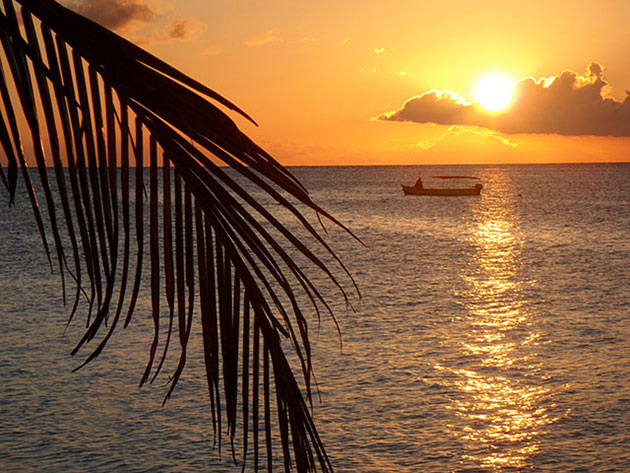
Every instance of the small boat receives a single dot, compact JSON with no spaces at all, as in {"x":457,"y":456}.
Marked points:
{"x":410,"y":190}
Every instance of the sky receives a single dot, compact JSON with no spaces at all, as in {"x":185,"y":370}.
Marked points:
{"x":373,"y":83}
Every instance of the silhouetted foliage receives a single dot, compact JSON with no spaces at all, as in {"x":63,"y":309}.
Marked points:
{"x":100,"y":110}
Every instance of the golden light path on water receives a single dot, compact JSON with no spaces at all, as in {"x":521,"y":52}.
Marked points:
{"x":502,"y":405}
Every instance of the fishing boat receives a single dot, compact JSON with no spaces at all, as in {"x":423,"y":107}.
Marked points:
{"x":419,"y":189}
{"x":410,"y":190}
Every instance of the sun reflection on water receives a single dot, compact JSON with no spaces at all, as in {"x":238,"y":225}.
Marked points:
{"x":501,"y":403}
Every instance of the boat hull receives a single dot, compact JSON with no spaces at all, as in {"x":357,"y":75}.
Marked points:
{"x":408,"y":190}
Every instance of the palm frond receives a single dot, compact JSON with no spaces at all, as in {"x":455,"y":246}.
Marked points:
{"x":104,"y":109}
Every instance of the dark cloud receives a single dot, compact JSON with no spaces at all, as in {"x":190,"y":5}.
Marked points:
{"x":178,"y":29}
{"x":115,"y":14}
{"x":184,"y":29}
{"x":567,"y":104}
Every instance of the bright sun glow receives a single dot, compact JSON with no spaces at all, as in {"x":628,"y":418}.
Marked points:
{"x":494,"y":92}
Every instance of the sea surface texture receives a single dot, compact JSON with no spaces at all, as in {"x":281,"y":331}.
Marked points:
{"x":492,"y":335}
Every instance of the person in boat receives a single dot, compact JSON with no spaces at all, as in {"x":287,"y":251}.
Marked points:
{"x":418,"y":184}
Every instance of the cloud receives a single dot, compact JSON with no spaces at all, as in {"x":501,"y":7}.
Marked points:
{"x":379,"y":50}
{"x":115,"y":14}
{"x":128,"y":16}
{"x":566,"y":104}
{"x":175,"y":30}
{"x":184,"y":29}
{"x":178,"y":29}
{"x":272,"y":36}
{"x":436,"y":106}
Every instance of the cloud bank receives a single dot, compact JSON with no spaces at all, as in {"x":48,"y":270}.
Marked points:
{"x":129,"y":16}
{"x":115,"y":14}
{"x":566,"y":104}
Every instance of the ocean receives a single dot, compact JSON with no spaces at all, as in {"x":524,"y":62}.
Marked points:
{"x":492,"y":335}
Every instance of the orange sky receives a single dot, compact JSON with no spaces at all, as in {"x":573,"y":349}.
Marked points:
{"x":315,"y":75}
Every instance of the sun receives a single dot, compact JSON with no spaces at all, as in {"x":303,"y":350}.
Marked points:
{"x":494,"y":92}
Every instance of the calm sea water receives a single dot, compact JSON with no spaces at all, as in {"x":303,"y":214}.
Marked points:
{"x":493,"y":335}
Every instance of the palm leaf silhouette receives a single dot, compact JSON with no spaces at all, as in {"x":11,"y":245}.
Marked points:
{"x":100,"y":107}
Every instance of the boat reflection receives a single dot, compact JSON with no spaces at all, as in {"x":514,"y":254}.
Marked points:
{"x":501,"y":402}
